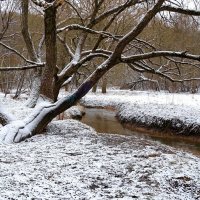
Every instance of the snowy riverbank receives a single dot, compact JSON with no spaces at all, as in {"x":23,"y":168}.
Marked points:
{"x":71,"y":161}
{"x":179,"y":113}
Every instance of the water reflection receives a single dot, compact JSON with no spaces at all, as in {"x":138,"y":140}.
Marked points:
{"x":104,"y":121}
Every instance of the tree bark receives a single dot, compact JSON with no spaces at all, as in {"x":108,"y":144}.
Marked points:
{"x":50,"y":71}
{"x":94,"y":88}
{"x":104,"y":85}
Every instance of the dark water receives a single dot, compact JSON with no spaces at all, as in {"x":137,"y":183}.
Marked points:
{"x":104,"y":121}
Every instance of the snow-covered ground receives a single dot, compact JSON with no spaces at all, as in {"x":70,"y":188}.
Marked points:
{"x":71,"y":161}
{"x":115,"y":97}
{"x":179,"y":112}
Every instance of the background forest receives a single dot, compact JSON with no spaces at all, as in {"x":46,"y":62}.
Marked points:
{"x":172,"y":32}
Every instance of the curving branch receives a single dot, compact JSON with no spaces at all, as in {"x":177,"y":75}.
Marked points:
{"x":155,"y":54}
{"x":76,"y":10}
{"x":88,"y":30}
{"x":17,"y":53}
{"x":114,"y":10}
{"x":141,"y":67}
{"x":180,"y":10}
{"x":67,"y":48}
{"x":73,"y":67}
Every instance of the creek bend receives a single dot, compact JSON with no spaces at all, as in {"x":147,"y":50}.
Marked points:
{"x":104,"y":121}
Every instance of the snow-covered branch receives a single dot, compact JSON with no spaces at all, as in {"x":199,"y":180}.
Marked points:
{"x":180,"y":10}
{"x":44,"y":4}
{"x":142,"y":79}
{"x":103,"y":51}
{"x":21,"y":68}
{"x":88,"y":30}
{"x":73,"y":67}
{"x":141,"y":67}
{"x":155,"y":54}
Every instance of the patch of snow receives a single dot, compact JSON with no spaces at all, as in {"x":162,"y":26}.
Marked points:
{"x":35,"y":92}
{"x":115,"y":97}
{"x":75,"y":112}
{"x":17,"y":107}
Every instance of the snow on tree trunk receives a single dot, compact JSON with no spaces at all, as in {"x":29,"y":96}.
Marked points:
{"x":16,"y":131}
{"x":35,"y":92}
{"x":5,"y":117}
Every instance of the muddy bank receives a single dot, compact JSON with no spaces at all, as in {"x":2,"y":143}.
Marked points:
{"x":178,"y":114}
{"x":170,"y":126}
{"x":160,"y":133}
{"x":142,"y":116}
{"x":104,"y":121}
{"x":159,"y":128}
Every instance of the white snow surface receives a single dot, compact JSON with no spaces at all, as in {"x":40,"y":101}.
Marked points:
{"x":116,"y":97}
{"x":71,"y":161}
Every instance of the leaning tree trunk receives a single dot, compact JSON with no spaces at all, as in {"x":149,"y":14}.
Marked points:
{"x":17,"y":131}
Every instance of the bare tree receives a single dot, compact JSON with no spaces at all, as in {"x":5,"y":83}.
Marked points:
{"x":7,"y":9}
{"x":34,"y":56}
{"x":123,"y":50}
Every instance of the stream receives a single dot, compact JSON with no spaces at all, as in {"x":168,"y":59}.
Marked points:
{"x":104,"y":121}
